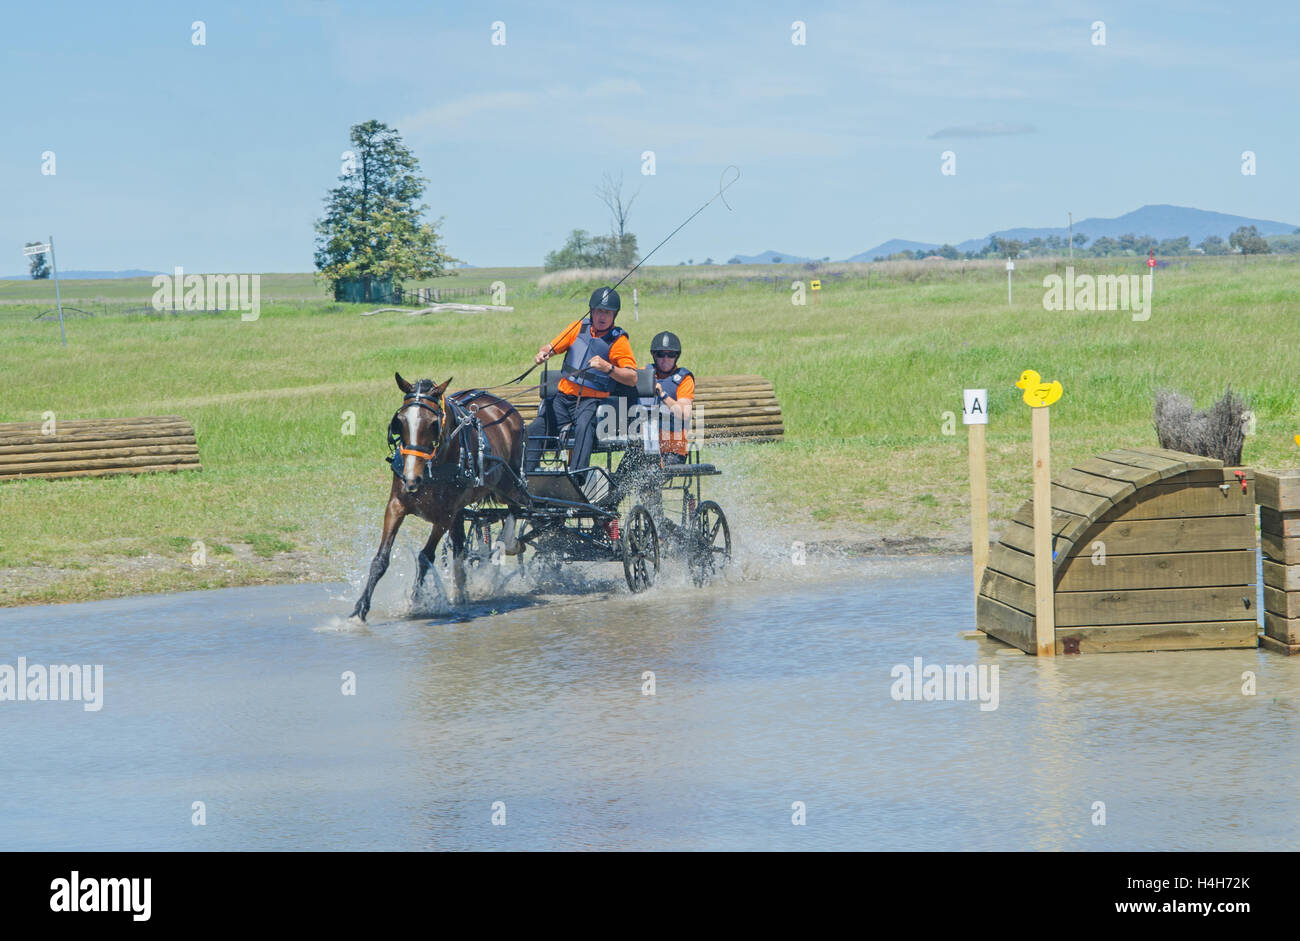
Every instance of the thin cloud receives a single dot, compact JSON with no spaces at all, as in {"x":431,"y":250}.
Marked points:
{"x":462,"y":110}
{"x":987,"y":129}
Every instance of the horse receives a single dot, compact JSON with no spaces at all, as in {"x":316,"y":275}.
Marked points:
{"x":445,"y":468}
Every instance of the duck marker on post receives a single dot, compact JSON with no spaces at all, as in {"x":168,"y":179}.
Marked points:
{"x":975,"y":415}
{"x":1039,"y":396}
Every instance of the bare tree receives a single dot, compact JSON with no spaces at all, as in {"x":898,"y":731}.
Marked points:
{"x":611,"y":194}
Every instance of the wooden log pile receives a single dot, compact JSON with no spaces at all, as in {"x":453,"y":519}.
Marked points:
{"x":97,"y":447}
{"x":734,"y":409}
{"x":1279,"y":543}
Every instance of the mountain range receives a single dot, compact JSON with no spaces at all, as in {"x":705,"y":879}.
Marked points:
{"x":1159,"y":222}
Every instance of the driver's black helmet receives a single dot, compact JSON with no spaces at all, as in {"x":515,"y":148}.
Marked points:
{"x":604,"y":299}
{"x":666,"y":342}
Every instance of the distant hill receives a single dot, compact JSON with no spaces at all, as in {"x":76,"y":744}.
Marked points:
{"x":88,"y":275}
{"x":885,"y":249}
{"x":1160,"y":222}
{"x":765,"y":258}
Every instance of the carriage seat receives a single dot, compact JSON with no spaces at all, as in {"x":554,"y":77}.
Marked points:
{"x":639,"y":396}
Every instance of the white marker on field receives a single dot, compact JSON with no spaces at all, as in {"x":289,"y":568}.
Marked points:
{"x":1011,"y":266}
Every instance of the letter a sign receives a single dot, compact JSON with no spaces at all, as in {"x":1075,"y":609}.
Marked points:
{"x":975,"y":410}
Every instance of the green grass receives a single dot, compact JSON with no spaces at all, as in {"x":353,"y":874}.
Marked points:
{"x":267,"y":546}
{"x":864,"y":378}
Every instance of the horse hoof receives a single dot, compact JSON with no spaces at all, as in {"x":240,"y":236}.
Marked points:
{"x":355,"y":618}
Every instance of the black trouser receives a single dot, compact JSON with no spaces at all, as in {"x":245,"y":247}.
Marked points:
{"x":557,"y":412}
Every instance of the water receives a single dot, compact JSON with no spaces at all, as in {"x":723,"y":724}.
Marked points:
{"x":767,"y":692}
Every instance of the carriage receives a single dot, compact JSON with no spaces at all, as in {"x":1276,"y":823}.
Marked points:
{"x":630,"y":508}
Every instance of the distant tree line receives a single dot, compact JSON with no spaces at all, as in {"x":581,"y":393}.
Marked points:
{"x":1245,"y":240}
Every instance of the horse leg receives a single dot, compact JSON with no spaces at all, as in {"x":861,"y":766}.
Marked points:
{"x":458,"y":558}
{"x":425,"y":560}
{"x":393,"y":517}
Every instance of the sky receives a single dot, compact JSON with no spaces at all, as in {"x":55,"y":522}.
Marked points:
{"x":217,"y":157}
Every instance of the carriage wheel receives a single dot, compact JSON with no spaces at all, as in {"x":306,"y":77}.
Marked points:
{"x":708,"y":543}
{"x":640,"y":549}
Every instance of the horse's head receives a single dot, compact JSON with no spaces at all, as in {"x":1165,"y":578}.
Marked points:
{"x":418,"y":427}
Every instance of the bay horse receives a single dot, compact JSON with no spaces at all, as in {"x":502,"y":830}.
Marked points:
{"x":445,"y":469}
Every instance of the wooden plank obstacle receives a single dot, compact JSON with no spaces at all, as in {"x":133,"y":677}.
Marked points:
{"x":1153,"y":550}
{"x":734,"y":409}
{"x":97,"y":447}
{"x":1279,"y":542}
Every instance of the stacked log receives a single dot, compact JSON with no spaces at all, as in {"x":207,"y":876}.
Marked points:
{"x":738,"y":409}
{"x":97,"y":447}
{"x":1279,"y":543}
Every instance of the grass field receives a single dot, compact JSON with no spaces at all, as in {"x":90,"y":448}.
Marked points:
{"x":864,"y":378}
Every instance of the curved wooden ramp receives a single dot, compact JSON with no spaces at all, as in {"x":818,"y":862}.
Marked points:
{"x":97,"y":447}
{"x":1153,"y":552}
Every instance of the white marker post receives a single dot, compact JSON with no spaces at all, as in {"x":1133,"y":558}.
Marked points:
{"x":636,"y":310}
{"x":54,"y":265}
{"x":1151,"y":264}
{"x":1011,"y":266}
{"x":975,"y":415}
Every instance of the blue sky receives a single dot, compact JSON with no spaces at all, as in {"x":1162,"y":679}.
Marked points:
{"x":217,"y":157}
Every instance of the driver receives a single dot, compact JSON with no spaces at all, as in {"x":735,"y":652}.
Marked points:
{"x":597,"y":355}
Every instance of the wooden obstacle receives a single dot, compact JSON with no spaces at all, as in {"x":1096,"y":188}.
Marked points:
{"x":97,"y":447}
{"x":1154,"y":550}
{"x":1279,"y":543}
{"x":735,"y":409}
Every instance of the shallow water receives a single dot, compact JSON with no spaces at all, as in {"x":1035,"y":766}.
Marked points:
{"x":767,"y":692}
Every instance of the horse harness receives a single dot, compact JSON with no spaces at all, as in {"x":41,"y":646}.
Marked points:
{"x":468,"y":470}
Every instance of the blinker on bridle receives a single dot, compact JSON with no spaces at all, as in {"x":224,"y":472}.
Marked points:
{"x":421,"y":400}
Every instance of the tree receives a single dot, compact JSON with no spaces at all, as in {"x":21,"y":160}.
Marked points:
{"x":1178,"y":246}
{"x":733,"y":260}
{"x":40,"y":268}
{"x":708,"y":261}
{"x":611,"y":194}
{"x":1213,"y":245}
{"x":1248,"y":241}
{"x":372,"y":228}
{"x":583,"y":251}
{"x":776,"y":259}
{"x":1000,"y":246}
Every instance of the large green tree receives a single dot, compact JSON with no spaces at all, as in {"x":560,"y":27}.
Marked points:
{"x":372,"y":229}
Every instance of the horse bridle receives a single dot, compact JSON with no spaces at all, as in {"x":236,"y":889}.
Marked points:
{"x":420,"y":400}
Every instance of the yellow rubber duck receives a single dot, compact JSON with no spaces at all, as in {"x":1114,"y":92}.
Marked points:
{"x":1038,"y":394}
